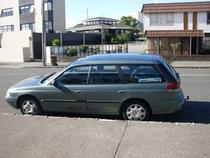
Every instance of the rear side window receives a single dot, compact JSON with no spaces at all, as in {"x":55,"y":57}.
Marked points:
{"x":141,"y":74}
{"x":104,"y":74}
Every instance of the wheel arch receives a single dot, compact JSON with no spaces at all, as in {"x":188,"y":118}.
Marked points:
{"x":25,"y":96}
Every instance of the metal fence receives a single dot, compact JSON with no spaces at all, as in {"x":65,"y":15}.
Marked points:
{"x":91,"y":49}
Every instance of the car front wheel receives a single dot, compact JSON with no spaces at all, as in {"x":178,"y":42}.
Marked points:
{"x":137,"y":111}
{"x":29,"y":106}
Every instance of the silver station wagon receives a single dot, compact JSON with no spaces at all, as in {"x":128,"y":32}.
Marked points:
{"x":134,"y":86}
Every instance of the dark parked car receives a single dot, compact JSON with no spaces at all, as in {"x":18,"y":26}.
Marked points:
{"x":132,"y":85}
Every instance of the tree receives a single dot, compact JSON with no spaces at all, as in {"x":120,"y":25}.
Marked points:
{"x":175,"y":46}
{"x":132,"y":22}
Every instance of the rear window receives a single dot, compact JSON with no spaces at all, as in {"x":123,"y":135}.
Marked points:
{"x":141,"y":74}
{"x":170,"y":68}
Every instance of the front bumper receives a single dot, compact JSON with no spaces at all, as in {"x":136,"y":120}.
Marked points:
{"x":11,"y":100}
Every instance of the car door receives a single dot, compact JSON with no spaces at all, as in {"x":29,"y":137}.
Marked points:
{"x":67,"y":94}
{"x":105,"y":90}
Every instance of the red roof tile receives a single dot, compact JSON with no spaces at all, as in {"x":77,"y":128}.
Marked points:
{"x":176,"y":7}
{"x":174,"y":33}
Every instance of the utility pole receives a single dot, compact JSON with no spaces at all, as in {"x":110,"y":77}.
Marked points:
{"x":43,"y":35}
{"x":83,"y":34}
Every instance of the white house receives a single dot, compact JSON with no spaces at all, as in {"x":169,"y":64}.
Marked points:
{"x":185,"y":25}
{"x":19,"y":19}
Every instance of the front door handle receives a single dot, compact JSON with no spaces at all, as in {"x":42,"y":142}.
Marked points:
{"x":78,"y":91}
{"x":121,"y":91}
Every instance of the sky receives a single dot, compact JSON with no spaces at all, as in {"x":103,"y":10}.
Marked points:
{"x":76,"y":10}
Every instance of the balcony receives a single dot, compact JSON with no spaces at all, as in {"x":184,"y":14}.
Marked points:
{"x":25,"y":2}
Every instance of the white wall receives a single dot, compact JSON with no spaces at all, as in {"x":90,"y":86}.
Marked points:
{"x":38,"y":15}
{"x":137,"y":47}
{"x":59,"y":15}
{"x":10,"y":20}
{"x":12,"y":46}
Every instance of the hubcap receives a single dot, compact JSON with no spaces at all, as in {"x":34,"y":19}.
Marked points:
{"x":136,"y":112}
{"x":29,"y":107}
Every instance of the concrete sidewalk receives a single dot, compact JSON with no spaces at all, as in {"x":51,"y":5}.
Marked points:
{"x":61,"y":137}
{"x":191,"y":64}
{"x":175,"y":64}
{"x":31,"y":65}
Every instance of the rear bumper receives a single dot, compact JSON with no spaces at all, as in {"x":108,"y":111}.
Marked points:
{"x":172,"y":104}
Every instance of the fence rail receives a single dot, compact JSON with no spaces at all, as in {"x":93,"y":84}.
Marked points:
{"x":91,"y":49}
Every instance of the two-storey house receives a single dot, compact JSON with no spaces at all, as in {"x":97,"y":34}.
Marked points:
{"x":184,"y":27}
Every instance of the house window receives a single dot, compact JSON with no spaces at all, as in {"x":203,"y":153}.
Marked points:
{"x":27,"y":26}
{"x":7,"y":12}
{"x":164,"y":19}
{"x":6,"y":28}
{"x":24,"y":10}
{"x":48,"y":26}
{"x":155,"y":19}
{"x":169,"y":18}
{"x":48,"y":6}
{"x":208,"y":17}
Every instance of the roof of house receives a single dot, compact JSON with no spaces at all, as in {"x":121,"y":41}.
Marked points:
{"x":176,"y":7}
{"x":102,"y":19}
{"x":81,"y":27}
{"x":174,"y":33}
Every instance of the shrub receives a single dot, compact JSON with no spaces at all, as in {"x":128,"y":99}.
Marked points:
{"x":119,"y":49}
{"x":84,"y":48}
{"x":97,"y":50}
{"x":120,"y":39}
{"x":55,"y":42}
{"x":71,"y":52}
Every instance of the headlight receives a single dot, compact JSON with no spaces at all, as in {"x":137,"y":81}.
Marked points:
{"x":8,"y":94}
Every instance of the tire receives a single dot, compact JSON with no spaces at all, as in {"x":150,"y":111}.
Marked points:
{"x":30,"y":106}
{"x":136,"y":111}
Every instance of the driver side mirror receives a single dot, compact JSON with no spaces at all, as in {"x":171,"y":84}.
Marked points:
{"x":54,"y":83}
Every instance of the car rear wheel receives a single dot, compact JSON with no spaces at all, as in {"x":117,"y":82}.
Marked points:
{"x":137,"y":111}
{"x":29,"y":106}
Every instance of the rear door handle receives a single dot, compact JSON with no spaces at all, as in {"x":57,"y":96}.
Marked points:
{"x":122,"y":92}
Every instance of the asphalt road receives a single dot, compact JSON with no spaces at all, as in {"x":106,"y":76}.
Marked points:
{"x":195,"y":83}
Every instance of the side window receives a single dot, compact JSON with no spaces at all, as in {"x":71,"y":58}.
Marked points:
{"x":141,"y":74}
{"x":74,"y":76}
{"x":104,"y":74}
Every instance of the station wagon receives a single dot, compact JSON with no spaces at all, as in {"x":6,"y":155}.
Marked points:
{"x":135,"y":86}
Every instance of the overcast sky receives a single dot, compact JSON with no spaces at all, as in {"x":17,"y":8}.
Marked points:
{"x":76,"y":10}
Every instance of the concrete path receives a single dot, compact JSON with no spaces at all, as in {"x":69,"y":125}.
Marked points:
{"x":60,"y":137}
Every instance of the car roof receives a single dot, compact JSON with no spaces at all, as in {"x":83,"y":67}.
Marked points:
{"x":119,"y":58}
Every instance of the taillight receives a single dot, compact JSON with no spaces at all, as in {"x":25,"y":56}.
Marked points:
{"x":172,"y":86}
